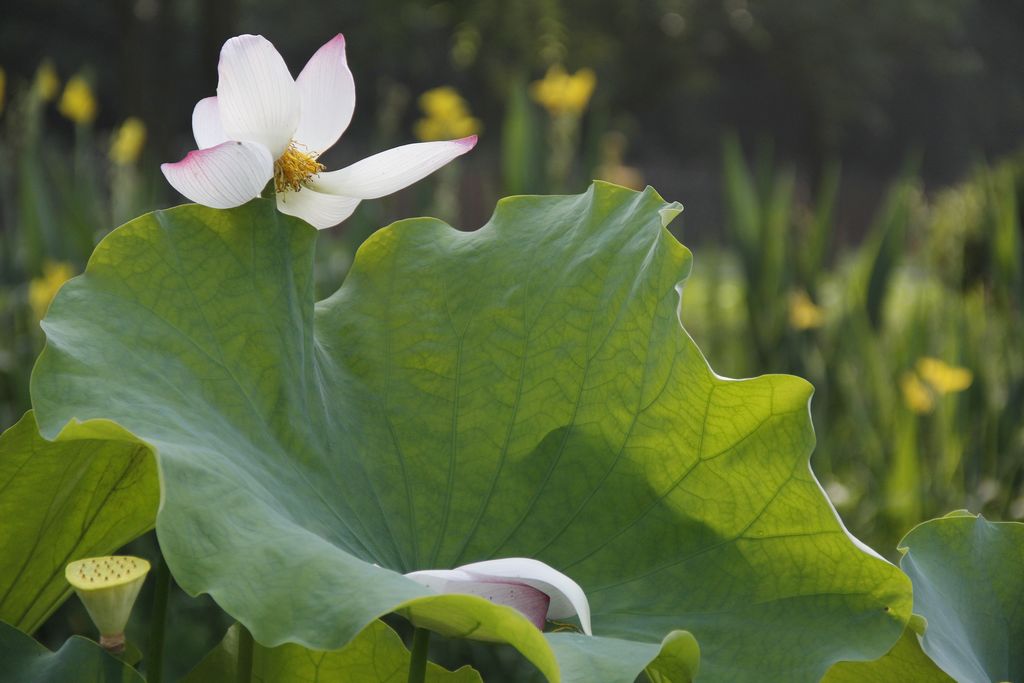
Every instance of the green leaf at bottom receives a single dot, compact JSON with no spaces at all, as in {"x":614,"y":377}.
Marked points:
{"x":79,"y":660}
{"x":585,"y":659}
{"x":968,"y":576}
{"x":904,"y":663}
{"x":377,"y":655}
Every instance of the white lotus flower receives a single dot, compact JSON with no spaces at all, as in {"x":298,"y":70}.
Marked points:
{"x":530,"y":586}
{"x":264,"y":124}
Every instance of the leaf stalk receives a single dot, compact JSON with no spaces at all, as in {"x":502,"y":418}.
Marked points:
{"x":418,"y":658}
{"x":158,"y":627}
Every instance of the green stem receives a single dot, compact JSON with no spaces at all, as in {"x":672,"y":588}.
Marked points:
{"x":418,"y":657}
{"x":243,"y":665}
{"x":158,"y":627}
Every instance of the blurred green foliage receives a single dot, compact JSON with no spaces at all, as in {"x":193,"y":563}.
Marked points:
{"x":936,"y":278}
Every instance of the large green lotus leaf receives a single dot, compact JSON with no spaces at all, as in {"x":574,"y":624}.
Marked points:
{"x":522,"y":390}
{"x":904,"y":663}
{"x":968,"y":576}
{"x":62,"y":501}
{"x":377,"y":654}
{"x":79,"y":660}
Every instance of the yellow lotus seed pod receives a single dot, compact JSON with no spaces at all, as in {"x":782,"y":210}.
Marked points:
{"x":108,"y":586}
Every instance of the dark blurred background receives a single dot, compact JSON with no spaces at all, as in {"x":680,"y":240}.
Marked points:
{"x":865,"y":81}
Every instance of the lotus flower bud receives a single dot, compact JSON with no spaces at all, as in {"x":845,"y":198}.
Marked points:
{"x":108,"y":586}
{"x":538,"y":591}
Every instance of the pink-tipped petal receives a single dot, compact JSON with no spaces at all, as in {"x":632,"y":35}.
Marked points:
{"x":316,"y":208}
{"x":532,"y":603}
{"x":258,"y":98}
{"x":206,"y":125}
{"x":390,"y":171}
{"x":327,"y":93}
{"x":223,"y":176}
{"x":567,"y":597}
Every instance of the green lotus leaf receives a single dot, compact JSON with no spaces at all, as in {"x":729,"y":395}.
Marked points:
{"x":79,"y":660}
{"x":522,"y":390}
{"x":968,"y":576}
{"x":904,"y":662}
{"x":377,"y":654}
{"x":62,"y":501}
{"x":585,"y":659}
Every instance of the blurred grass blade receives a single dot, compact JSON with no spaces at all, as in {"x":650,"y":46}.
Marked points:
{"x":887,"y":243}
{"x":743,"y":210}
{"x":813,"y":250}
{"x":1006,"y":228}
{"x":521,"y":162}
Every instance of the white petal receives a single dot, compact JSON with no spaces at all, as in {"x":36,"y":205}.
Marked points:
{"x":316,"y":208}
{"x":437,"y":579}
{"x":567,"y":598}
{"x":206,"y":125}
{"x":223,"y":176}
{"x":327,"y":92}
{"x":532,"y":602}
{"x":259,"y":101}
{"x":392,"y":170}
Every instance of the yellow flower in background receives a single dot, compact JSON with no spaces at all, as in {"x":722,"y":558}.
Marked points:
{"x":916,"y":395}
{"x":562,"y":93}
{"x":444,"y":103}
{"x":933,"y":378}
{"x":46,"y":84}
{"x":41,"y":290}
{"x":127,"y":143}
{"x":78,"y":103}
{"x":804,"y":314}
{"x":943,"y":378}
{"x":447,"y":116}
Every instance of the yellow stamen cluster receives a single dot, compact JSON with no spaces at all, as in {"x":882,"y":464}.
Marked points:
{"x":294,"y":168}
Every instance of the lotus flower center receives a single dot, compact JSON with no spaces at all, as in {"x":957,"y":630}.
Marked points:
{"x":294,"y":168}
